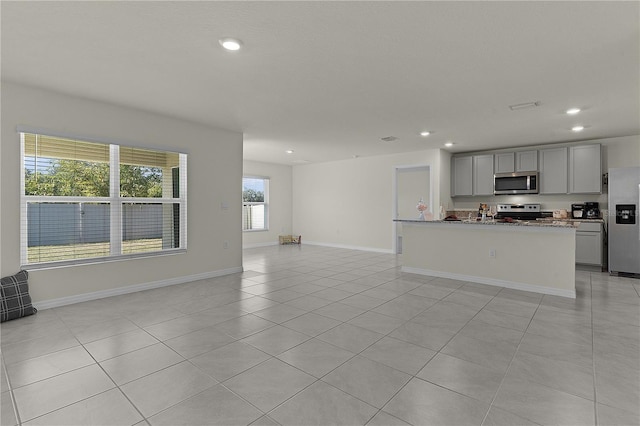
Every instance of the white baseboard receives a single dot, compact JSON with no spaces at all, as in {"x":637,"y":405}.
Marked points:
{"x":492,"y":281}
{"x":257,"y":245}
{"x":346,"y":246}
{"x":85,"y":297}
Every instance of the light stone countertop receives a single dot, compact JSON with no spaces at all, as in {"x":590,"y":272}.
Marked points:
{"x":550,"y":219}
{"x":527,"y":223}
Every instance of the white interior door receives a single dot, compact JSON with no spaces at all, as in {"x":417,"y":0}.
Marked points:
{"x":412,"y":183}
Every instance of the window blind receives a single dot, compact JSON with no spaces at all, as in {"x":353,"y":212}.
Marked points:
{"x":86,"y":201}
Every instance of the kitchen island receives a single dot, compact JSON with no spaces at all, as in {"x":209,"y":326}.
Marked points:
{"x":532,"y":256}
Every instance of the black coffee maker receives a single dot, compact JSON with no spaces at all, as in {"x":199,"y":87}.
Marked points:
{"x":577,"y":211}
{"x":592,"y":210}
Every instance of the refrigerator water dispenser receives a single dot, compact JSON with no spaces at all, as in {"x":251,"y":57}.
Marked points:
{"x":626,"y":214}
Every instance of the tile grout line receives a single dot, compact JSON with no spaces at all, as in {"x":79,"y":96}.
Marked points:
{"x":413,"y":376}
{"x":118,"y":386}
{"x":271,"y":357}
{"x":14,"y":404}
{"x":437,"y":352}
{"x":593,"y":355}
{"x":11,"y":389}
{"x":343,"y":363}
{"x":495,"y":395}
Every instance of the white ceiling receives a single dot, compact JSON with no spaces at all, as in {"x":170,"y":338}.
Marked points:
{"x":329,"y":79}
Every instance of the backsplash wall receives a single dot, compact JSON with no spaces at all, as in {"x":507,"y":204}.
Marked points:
{"x":547,"y":202}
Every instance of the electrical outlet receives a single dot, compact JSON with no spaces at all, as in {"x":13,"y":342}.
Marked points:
{"x":492,"y":253}
{"x":225,"y":245}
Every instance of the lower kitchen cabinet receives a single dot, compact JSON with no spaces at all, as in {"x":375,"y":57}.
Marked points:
{"x":589,"y":244}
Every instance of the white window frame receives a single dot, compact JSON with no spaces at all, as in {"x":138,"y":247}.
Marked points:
{"x":114,"y":200}
{"x":254,"y":203}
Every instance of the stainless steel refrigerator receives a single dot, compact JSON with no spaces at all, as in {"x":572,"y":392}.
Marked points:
{"x":624,"y":227}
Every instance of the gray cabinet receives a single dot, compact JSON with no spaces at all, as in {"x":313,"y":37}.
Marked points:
{"x":585,"y":169}
{"x":483,"y":174}
{"x":527,"y":161}
{"x":589,"y":244}
{"x":565,"y":170}
{"x":504,"y":162}
{"x":553,"y":171}
{"x":519,"y":161}
{"x":462,"y":176}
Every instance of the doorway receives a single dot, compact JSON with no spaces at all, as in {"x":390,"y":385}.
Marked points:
{"x":411,"y":184}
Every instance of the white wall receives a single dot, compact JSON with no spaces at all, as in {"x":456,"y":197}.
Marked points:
{"x":445,"y":180}
{"x":461,"y":251}
{"x":349,"y":203}
{"x":621,"y":152}
{"x":280,"y":203}
{"x":616,"y":152}
{"x":214,"y":164}
{"x":411,"y":186}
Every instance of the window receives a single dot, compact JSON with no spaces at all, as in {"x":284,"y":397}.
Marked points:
{"x":255,"y":204}
{"x":83,"y":201}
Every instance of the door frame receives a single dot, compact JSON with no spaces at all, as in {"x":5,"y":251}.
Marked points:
{"x":394,"y":198}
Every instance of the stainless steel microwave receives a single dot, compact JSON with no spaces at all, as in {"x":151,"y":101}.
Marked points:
{"x":515,"y":183}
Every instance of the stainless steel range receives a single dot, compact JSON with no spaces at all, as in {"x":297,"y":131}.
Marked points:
{"x":519,"y":211}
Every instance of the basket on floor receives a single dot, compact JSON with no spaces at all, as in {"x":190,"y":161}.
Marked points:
{"x":290,"y":239}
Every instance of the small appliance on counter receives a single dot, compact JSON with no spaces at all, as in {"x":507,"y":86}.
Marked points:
{"x":592,"y":210}
{"x":587,"y":210}
{"x":577,"y":211}
{"x":560,"y":214}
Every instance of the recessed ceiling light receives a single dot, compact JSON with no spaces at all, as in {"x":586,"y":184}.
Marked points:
{"x":573,"y":111}
{"x":577,"y":128}
{"x":289,"y":151}
{"x":230,"y":43}
{"x":448,"y":144}
{"x":425,"y":133}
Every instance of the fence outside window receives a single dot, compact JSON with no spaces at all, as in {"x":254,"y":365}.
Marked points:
{"x":255,"y":203}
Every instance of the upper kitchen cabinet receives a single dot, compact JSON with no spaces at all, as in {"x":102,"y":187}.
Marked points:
{"x":483,"y":174}
{"x":520,"y":161}
{"x":527,"y":161}
{"x":585,"y":169}
{"x":504,"y":162}
{"x":462,"y":176}
{"x":553,"y":171}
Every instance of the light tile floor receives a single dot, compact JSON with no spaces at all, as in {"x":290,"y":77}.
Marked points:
{"x":317,"y":335}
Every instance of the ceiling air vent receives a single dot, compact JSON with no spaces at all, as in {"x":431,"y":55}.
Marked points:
{"x":524,"y":106}
{"x":389,"y":139}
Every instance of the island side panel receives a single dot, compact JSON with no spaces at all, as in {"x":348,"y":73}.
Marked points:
{"x":527,"y":258}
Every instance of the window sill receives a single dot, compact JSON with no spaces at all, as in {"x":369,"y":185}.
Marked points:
{"x":255,"y":230}
{"x":100,"y":260}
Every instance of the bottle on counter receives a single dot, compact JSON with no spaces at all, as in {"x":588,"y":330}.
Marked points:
{"x":482,"y":212}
